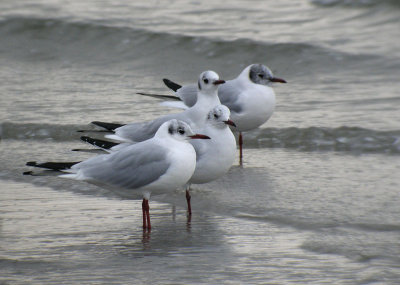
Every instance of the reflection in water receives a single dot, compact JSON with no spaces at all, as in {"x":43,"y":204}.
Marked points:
{"x":146,"y":238}
{"x":247,"y":224}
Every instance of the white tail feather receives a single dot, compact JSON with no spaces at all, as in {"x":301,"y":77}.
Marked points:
{"x":117,"y":138}
{"x":174,"y":104}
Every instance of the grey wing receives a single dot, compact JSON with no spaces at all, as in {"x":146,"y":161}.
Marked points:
{"x":138,"y":132}
{"x":132,"y":167}
{"x":188,"y":94}
{"x":228,"y":94}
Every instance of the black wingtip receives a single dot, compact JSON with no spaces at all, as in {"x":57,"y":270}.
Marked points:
{"x":52,"y":165}
{"x":172,"y":85}
{"x":160,"y":96}
{"x":89,"y":150}
{"x":95,"y":131}
{"x":108,"y":126}
{"x":99,"y":143}
{"x":27,"y":173}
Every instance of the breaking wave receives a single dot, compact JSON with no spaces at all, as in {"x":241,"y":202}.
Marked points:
{"x":348,"y":139}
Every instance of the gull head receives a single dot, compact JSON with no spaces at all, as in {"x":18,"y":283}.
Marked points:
{"x":219,"y":117}
{"x":179,"y":130}
{"x":260,"y":74}
{"x":209,"y":81}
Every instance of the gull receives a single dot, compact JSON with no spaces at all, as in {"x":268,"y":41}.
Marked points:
{"x":206,"y":91}
{"x":158,"y":165}
{"x":214,"y":157}
{"x":249,"y":97}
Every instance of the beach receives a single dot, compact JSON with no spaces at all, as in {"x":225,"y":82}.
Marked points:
{"x":316,"y":200}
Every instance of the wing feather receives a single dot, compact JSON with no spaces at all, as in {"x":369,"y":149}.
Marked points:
{"x":132,"y":167}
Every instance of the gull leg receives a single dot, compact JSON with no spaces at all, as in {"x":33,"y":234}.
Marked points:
{"x":148,"y":214}
{"x":240,"y":148}
{"x":188,"y":197}
{"x":144,"y":213}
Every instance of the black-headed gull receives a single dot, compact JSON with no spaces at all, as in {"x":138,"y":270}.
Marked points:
{"x":206,"y":88}
{"x":158,"y":165}
{"x":249,"y":97}
{"x":214,"y":157}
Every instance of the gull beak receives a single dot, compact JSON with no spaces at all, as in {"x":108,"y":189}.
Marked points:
{"x":276,"y":79}
{"x":199,"y":136}
{"x":230,"y":122}
{"x":218,"y":82}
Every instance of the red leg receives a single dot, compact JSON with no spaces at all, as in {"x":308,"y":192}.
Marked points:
{"x":148,"y":214}
{"x":188,"y":201}
{"x":240,"y":148}
{"x":144,"y":213}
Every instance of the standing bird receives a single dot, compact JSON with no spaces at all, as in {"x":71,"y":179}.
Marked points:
{"x":249,"y":97}
{"x":214,"y":157}
{"x":158,"y":165}
{"x":206,"y":91}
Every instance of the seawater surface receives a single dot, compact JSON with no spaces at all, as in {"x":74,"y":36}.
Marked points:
{"x":316,"y":200}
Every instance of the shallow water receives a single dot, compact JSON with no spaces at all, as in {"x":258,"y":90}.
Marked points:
{"x":317,"y":198}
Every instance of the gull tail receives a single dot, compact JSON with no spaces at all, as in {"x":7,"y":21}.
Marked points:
{"x":108,"y":126}
{"x":118,"y":138}
{"x":70,"y":176}
{"x":172,"y":85}
{"x":99,"y":143}
{"x":58,"y":166}
{"x":174,"y":104}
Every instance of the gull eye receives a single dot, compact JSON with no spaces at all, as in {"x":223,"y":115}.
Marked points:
{"x":181,"y":131}
{"x":216,"y":116}
{"x":205,"y":80}
{"x":261,"y":75}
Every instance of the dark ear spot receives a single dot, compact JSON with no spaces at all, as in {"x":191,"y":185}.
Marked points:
{"x":198,"y":84}
{"x":171,"y":130}
{"x":251,"y":75}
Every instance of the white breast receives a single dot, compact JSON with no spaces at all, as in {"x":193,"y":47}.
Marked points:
{"x":258,"y":105}
{"x":183,"y":162}
{"x":215,"y":156}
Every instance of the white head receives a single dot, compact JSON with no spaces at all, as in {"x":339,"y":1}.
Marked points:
{"x":260,"y":74}
{"x":178,"y":130}
{"x":219,"y":117}
{"x":209,"y":81}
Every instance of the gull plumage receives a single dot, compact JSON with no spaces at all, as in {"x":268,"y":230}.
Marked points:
{"x":249,"y":97}
{"x":158,"y":165}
